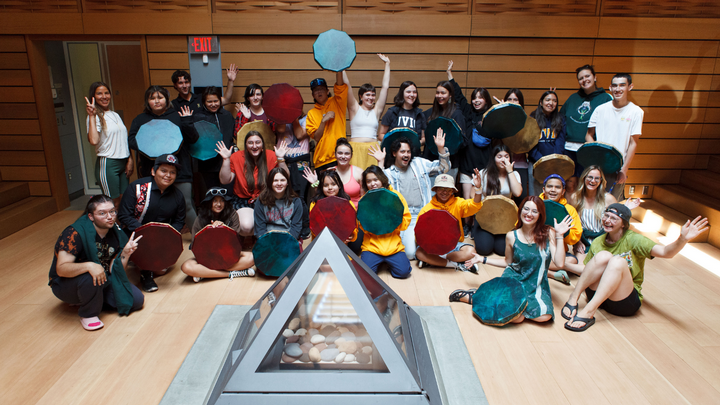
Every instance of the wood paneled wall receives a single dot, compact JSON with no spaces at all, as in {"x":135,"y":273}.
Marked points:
{"x":21,"y":145}
{"x":676,"y":82}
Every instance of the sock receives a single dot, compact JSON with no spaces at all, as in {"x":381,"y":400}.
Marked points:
{"x":451,"y":264}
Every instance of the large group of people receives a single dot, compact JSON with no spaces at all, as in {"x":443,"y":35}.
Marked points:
{"x":254,"y":188}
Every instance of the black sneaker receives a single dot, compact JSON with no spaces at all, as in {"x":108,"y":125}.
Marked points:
{"x":466,"y":231}
{"x":147,"y":282}
{"x":472,"y":269}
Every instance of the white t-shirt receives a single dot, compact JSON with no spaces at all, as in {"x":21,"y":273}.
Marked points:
{"x":114,"y":139}
{"x":616,"y":125}
{"x":504,"y":184}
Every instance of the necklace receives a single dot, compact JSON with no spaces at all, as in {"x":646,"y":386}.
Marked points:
{"x":529,"y":241}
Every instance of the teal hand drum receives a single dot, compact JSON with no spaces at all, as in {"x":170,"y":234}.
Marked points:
{"x":601,"y":154}
{"x":380,"y":211}
{"x":499,"y":301}
{"x":210,"y":135}
{"x":504,"y":120}
{"x":401,"y":132}
{"x":334,"y":50}
{"x":453,"y":134}
{"x":158,"y":137}
{"x":555,"y":211}
{"x":217,"y":248}
{"x":437,"y":232}
{"x":274,"y":252}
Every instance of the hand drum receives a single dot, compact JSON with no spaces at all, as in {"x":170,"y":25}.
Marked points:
{"x":283,"y":103}
{"x":334,"y":50}
{"x":437,"y":232}
{"x":498,"y":215}
{"x":274,"y":252}
{"x":217,"y":248}
{"x":453,"y":134}
{"x":335,"y":213}
{"x":210,"y":135}
{"x":504,"y":120}
{"x":160,"y":247}
{"x":158,"y":137}
{"x":601,"y":154}
{"x":380,"y":211}
{"x":499,"y":301}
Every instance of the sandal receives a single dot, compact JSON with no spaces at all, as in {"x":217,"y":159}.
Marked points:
{"x":588,"y":323}
{"x":92,"y":323}
{"x":571,"y":308}
{"x":457,"y":295}
{"x":562,"y":276}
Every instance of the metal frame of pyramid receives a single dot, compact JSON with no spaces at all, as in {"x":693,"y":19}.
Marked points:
{"x":407,"y":378}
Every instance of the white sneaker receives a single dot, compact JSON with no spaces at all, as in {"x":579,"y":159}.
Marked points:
{"x":242,"y":273}
{"x":197,"y":279}
{"x":421,"y":264}
{"x":472,"y":269}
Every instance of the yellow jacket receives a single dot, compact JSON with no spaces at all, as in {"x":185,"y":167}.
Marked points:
{"x":334,"y":129}
{"x":391,"y":243}
{"x":458,"y":207}
{"x":576,"y":230}
{"x":354,"y":234}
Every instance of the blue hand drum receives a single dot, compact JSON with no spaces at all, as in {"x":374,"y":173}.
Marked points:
{"x":210,"y":135}
{"x":334,"y":50}
{"x":158,"y":137}
{"x":401,"y":132}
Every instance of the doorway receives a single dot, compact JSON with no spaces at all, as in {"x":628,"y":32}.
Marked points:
{"x":117,"y":63}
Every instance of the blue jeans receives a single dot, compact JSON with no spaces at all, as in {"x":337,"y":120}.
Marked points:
{"x":398,"y":262}
{"x":408,"y":235}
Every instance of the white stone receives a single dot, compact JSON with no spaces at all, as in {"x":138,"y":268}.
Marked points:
{"x":301,"y":332}
{"x":288,"y":332}
{"x":349,"y":358}
{"x":340,"y":358}
{"x":318,"y":338}
{"x":294,"y":324}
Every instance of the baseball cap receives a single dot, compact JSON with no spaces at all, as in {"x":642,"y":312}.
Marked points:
{"x":620,"y":210}
{"x":167,"y":159}
{"x":317,"y":82}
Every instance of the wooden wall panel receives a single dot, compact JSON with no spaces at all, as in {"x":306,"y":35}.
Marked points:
{"x":41,"y":23}
{"x":288,"y":6}
{"x":272,"y":24}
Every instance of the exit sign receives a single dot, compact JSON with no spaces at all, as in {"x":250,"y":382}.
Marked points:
{"x":206,"y":44}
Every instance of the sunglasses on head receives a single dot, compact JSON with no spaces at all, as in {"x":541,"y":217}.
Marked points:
{"x":318,"y":82}
{"x":216,"y":191}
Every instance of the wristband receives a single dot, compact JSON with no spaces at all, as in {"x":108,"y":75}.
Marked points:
{"x":511,"y":172}
{"x":484,"y":259}
{"x":314,"y":185}
{"x":280,"y":159}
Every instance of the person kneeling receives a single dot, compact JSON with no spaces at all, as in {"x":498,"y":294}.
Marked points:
{"x":460,"y":208}
{"x":85,"y":271}
{"x":615,"y":267}
{"x":216,"y":210}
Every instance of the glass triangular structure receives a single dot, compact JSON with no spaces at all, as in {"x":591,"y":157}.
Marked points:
{"x":328,"y":329}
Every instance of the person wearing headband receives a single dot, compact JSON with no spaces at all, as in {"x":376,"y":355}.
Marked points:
{"x":615,"y":267}
{"x":554,"y":189}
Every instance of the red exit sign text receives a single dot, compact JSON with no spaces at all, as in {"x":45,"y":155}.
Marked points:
{"x":203,"y":44}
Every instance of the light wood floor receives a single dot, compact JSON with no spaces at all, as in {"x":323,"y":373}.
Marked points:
{"x":668,"y":354}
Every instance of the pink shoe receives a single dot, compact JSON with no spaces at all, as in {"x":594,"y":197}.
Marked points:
{"x":93,"y":323}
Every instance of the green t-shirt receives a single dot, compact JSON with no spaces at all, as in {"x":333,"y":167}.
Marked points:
{"x":633,"y":247}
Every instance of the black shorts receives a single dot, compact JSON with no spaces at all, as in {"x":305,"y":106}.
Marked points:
{"x":625,"y":307}
{"x":238,"y":203}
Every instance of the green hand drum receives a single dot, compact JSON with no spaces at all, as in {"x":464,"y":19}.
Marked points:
{"x":499,"y":301}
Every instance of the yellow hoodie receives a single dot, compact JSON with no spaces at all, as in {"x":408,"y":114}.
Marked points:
{"x":576,"y":230}
{"x":458,"y":207}
{"x":390,"y":243}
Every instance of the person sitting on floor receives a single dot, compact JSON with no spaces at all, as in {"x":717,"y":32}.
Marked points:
{"x":154,"y":199}
{"x":85,"y":272}
{"x":216,"y":210}
{"x":444,"y":199}
{"x":615,"y":267}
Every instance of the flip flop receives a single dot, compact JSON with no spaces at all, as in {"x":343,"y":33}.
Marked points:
{"x":588,"y":323}
{"x":92,"y":323}
{"x":562,"y":276}
{"x":571,"y":308}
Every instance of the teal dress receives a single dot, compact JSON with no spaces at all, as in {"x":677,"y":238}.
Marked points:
{"x":530,"y":267}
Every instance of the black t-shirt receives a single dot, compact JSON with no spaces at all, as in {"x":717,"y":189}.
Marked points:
{"x":70,"y":241}
{"x":194,"y":103}
{"x":398,"y":117}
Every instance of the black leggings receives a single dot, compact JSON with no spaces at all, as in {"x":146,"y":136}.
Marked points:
{"x":487,"y":243}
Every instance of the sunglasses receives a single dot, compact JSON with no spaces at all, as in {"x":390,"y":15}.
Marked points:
{"x":216,"y":191}
{"x":318,"y":82}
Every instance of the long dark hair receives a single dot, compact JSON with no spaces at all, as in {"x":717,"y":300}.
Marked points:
{"x":399,"y":99}
{"x":320,"y":194}
{"x":152,"y":90}
{"x":250,"y":91}
{"x":378,"y":172}
{"x":555,"y":118}
{"x":212,"y":91}
{"x":267,"y":198}
{"x":518,"y":94}
{"x":207,"y":216}
{"x":437,"y":109}
{"x":540,"y":232}
{"x":250,"y":165}
{"x":492,"y":173}
{"x":99,"y":112}
{"x":95,"y":201}
{"x":485,"y":95}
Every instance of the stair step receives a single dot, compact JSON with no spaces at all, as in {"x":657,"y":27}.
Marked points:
{"x":24,"y":213}
{"x":714,"y":164}
{"x":656,"y":217}
{"x":702,"y":181}
{"x":691,"y":203}
{"x":12,"y":192}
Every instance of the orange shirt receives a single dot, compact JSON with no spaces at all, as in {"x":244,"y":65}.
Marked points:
{"x":237,"y":166}
{"x":334,"y":129}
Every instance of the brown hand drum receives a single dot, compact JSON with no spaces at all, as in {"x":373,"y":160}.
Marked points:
{"x":553,"y":164}
{"x":160,"y":247}
{"x":217,"y":248}
{"x":264,"y":129}
{"x":437,"y":232}
{"x":525,"y":139}
{"x":498,"y":215}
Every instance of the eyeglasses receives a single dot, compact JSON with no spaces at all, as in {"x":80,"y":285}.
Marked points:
{"x":592,"y":178}
{"x":104,"y":214}
{"x":216,"y":191}
{"x":612,"y":218}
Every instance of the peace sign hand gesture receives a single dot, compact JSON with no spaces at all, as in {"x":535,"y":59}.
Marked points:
{"x":90,"y":107}
{"x":131,"y":246}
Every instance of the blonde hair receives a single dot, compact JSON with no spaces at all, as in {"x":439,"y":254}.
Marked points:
{"x":579,"y":194}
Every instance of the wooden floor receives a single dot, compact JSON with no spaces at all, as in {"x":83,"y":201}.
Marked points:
{"x":668,"y":354}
